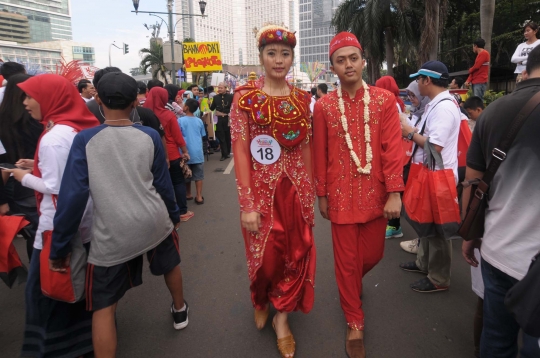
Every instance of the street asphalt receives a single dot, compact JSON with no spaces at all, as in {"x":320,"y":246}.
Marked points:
{"x":399,"y":322}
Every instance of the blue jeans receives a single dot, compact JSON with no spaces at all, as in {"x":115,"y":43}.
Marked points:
{"x":500,"y":334}
{"x":479,"y":90}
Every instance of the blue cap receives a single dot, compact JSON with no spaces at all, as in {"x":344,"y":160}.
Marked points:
{"x":434,"y":69}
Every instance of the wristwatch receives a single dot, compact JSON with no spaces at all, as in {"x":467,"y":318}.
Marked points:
{"x":410,"y":135}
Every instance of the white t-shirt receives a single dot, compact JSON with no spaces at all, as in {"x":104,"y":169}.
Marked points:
{"x":442,"y":116}
{"x":521,"y":55}
{"x":54,"y":149}
{"x":312,"y":104}
{"x":2,"y":91}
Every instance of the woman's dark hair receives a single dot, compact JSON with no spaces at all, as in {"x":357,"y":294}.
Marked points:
{"x":531,"y":25}
{"x":172,"y":90}
{"x":15,"y":122}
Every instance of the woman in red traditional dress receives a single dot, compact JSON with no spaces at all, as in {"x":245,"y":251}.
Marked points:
{"x":271,"y":134}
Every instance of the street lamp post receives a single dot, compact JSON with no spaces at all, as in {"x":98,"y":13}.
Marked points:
{"x":202,"y":6}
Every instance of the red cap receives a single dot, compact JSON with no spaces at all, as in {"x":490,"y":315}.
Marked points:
{"x":343,"y":39}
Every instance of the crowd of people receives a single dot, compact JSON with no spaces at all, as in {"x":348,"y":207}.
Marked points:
{"x":106,"y":166}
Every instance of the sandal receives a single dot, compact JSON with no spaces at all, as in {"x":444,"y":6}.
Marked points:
{"x":426,"y":286}
{"x":199,"y":202}
{"x":411,"y":267}
{"x":261,"y":317}
{"x":354,"y":347}
{"x":189,"y":198}
{"x":286,"y":346}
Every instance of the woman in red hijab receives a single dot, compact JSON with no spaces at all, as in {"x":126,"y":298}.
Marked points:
{"x":56,"y":103}
{"x":389,"y":83}
{"x":156,"y":100}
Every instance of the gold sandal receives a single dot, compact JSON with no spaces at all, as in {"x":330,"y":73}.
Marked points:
{"x":261,"y":317}
{"x":286,"y":345}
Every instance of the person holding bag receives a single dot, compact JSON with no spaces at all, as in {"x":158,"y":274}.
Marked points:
{"x":442,"y":118}
{"x":503,"y":211}
{"x":63,"y":114}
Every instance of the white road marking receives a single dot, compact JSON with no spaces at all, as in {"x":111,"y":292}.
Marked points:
{"x":229,"y":167}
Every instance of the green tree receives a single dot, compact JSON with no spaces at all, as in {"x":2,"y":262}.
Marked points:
{"x":152,"y":58}
{"x":380,"y":26}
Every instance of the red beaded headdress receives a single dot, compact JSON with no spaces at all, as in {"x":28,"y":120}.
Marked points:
{"x":273,"y":34}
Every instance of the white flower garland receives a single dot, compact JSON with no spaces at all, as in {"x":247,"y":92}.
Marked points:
{"x":367,"y":133}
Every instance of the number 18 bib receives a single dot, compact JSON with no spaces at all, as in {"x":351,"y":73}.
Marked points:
{"x":265,"y":149}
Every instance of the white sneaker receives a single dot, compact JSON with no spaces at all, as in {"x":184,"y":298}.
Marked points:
{"x":410,"y":246}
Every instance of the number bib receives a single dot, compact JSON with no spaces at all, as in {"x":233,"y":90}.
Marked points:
{"x":265,"y":149}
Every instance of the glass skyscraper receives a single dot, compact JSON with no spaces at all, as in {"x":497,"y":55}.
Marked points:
{"x":316,"y":30}
{"x":49,"y":20}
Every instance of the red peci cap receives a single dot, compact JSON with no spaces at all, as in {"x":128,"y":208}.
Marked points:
{"x":343,"y":39}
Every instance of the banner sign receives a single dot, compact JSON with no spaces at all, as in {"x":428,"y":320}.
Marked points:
{"x":202,"y":57}
{"x":88,"y":71}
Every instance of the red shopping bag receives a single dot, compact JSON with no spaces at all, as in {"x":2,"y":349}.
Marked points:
{"x":417,"y":206}
{"x":444,"y":202}
{"x":63,"y":286}
{"x":464,"y":140}
{"x":11,"y":267}
{"x":407,"y":150}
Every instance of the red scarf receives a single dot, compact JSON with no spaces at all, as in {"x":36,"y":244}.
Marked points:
{"x":60,"y":103}
{"x":388,"y":83}
{"x":156,"y":100}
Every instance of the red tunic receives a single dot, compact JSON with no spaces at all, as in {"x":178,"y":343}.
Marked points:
{"x":354,"y":197}
{"x":287,"y":119}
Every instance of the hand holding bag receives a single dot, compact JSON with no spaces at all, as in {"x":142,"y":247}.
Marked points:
{"x":64,"y":286}
{"x":472,"y":227}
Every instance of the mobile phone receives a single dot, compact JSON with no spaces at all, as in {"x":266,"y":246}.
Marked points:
{"x":7,"y":166}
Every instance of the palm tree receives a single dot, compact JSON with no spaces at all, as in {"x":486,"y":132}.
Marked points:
{"x":431,"y":28}
{"x":378,"y":25}
{"x":487,"y":13}
{"x":152,"y":58}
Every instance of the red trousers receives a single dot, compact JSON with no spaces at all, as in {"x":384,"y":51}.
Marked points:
{"x":357,"y":249}
{"x":287,"y":274}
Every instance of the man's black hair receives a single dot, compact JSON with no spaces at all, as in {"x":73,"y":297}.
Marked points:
{"x":210,"y":89}
{"x":459,"y":81}
{"x":439,"y":82}
{"x":533,"y":61}
{"x":9,"y":69}
{"x":314,"y":91}
{"x":474,"y":102}
{"x":82,"y":85}
{"x":531,"y":25}
{"x":153,"y":83}
{"x":192,"y":86}
{"x":480,"y":43}
{"x":102,"y":72}
{"x":323,"y":87}
{"x":192,"y":104}
{"x":142,"y":87}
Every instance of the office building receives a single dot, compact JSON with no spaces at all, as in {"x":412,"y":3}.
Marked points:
{"x":14,"y":27}
{"x":316,"y":29}
{"x":234,"y":25}
{"x":218,"y":26}
{"x":71,"y":50}
{"x":49,"y":20}
{"x":36,"y":60}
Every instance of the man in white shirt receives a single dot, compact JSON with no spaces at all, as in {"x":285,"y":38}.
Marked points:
{"x":7,"y":70}
{"x":87,"y":90}
{"x":442,"y":116}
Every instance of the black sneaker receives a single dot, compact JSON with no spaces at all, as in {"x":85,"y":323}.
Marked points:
{"x":180,"y":318}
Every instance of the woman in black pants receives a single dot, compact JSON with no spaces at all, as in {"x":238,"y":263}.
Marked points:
{"x":19,"y":134}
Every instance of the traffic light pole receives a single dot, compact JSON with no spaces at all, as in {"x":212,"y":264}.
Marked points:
{"x":113,"y":44}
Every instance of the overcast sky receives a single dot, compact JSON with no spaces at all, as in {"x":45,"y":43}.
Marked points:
{"x":101,"y":22}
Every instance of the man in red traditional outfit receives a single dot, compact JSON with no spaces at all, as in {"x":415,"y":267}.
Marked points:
{"x":358,"y":175}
